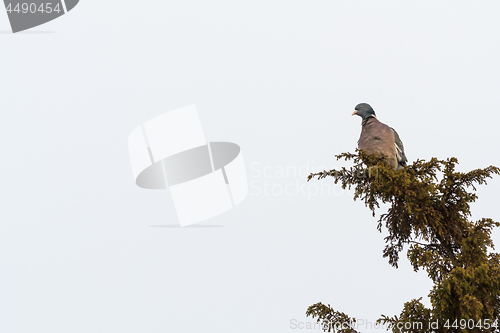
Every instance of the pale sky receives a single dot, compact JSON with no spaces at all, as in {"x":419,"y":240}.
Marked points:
{"x":80,"y":246}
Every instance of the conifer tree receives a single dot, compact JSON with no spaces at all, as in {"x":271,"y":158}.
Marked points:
{"x":432,"y":218}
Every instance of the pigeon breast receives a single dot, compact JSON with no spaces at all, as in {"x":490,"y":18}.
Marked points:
{"x":379,"y":138}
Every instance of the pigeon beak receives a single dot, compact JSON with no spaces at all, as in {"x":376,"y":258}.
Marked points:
{"x":354,"y":112}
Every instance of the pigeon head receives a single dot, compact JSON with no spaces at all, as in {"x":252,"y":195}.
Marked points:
{"x":364,"y":111}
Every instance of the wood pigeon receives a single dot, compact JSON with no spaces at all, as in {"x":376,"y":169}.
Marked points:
{"x":379,"y":138}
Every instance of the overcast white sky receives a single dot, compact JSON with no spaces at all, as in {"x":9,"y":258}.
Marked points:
{"x":80,"y":246}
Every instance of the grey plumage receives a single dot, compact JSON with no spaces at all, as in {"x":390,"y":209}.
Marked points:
{"x":400,"y":150}
{"x":377,"y":137}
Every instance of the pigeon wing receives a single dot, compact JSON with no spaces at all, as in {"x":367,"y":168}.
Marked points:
{"x":400,"y":150}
